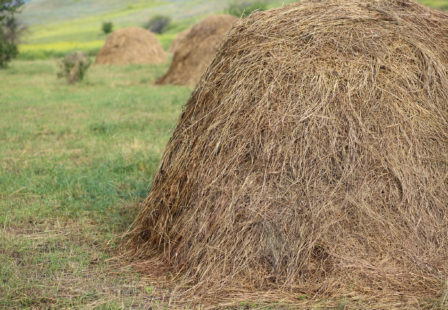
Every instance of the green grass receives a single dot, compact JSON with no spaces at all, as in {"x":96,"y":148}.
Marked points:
{"x":74,"y":163}
{"x":437,"y":4}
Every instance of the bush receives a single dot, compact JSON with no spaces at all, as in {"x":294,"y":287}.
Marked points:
{"x":158,"y":24}
{"x":8,"y":51}
{"x":244,"y":9}
{"x":107,"y":27}
{"x":10,"y":29}
{"x":74,"y":67}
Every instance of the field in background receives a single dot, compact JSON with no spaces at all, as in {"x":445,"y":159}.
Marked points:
{"x":437,"y":4}
{"x":57,"y":28}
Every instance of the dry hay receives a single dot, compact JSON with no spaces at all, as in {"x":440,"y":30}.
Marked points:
{"x":312,"y":158}
{"x":178,"y":41}
{"x":131,"y":46}
{"x":195,"y":52}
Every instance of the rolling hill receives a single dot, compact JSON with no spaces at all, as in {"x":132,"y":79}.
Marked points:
{"x":59,"y":26}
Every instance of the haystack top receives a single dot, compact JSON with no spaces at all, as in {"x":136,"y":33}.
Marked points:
{"x":196,"y":49}
{"x":131,"y":46}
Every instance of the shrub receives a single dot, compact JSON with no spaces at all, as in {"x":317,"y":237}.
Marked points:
{"x":245,"y":8}
{"x":9,"y":30}
{"x":8,"y":51}
{"x":13,"y":28}
{"x":107,"y":27}
{"x":158,"y":24}
{"x":74,"y":67}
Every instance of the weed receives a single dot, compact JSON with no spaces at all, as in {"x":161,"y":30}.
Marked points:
{"x":74,"y":67}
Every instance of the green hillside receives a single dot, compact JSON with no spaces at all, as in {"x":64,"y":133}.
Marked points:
{"x":41,"y":12}
{"x":57,"y":27}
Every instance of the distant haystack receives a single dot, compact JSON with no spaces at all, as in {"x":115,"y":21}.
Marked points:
{"x":312,"y":158}
{"x":131,"y":46}
{"x":178,"y":40}
{"x":196,"y":49}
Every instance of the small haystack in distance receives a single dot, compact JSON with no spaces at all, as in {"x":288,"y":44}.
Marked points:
{"x":196,"y":50}
{"x":131,"y":46}
{"x":312,"y":158}
{"x":178,"y":41}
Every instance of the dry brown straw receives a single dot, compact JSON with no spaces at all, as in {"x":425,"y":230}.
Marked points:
{"x":195,"y":51}
{"x":312,"y":158}
{"x":178,"y":41}
{"x":131,"y":46}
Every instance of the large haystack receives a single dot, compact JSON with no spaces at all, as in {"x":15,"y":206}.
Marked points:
{"x":197,"y":49}
{"x":312,"y":158}
{"x":131,"y":46}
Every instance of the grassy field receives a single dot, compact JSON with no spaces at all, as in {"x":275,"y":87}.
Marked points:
{"x":74,"y":163}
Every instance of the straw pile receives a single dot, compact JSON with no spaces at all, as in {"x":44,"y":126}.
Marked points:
{"x":196,"y":50}
{"x":178,"y":41}
{"x":131,"y":46}
{"x":312,"y":158}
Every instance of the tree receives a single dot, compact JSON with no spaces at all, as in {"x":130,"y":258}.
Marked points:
{"x":8,"y":7}
{"x":13,"y":28}
{"x":9,"y":30}
{"x":157,"y":24}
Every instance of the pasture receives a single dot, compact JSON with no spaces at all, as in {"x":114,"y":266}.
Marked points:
{"x":76,"y":162}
